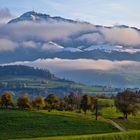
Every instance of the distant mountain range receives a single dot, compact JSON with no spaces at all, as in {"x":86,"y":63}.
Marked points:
{"x":34,"y":36}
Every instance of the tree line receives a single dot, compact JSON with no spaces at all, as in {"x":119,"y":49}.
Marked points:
{"x":20,"y":70}
{"x":126,"y":102}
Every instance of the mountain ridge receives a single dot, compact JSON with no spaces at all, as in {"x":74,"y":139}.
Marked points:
{"x":39,"y":17}
{"x":29,"y":16}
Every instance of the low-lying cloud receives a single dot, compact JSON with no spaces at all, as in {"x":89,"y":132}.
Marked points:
{"x":35,"y":35}
{"x":126,"y":36}
{"x":92,"y":38}
{"x":58,"y":64}
{"x":43,"y":31}
{"x":7,"y":45}
{"x":29,"y":44}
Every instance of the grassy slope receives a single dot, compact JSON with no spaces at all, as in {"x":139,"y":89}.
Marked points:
{"x":133,"y":122}
{"x":22,"y":124}
{"x":133,"y":135}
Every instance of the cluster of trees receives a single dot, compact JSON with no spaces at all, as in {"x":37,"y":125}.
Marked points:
{"x":125,"y":102}
{"x":68,"y":103}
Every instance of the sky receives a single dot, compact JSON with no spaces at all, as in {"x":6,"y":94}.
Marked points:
{"x":101,"y":12}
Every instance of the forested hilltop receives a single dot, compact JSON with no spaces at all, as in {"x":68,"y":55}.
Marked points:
{"x":33,"y":81}
{"x":20,"y":70}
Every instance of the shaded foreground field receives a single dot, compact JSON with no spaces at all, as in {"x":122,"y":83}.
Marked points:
{"x":133,"y":135}
{"x":16,"y":124}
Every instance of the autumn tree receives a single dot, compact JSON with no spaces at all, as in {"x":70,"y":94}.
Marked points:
{"x":86,"y":103}
{"x":39,"y":102}
{"x":70,"y":100}
{"x":126,"y":102}
{"x":52,"y":101}
{"x":62,"y":105}
{"x":24,"y":102}
{"x":7,"y":99}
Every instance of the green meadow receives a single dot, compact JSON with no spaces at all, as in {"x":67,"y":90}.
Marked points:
{"x":15,"y":124}
{"x":133,"y":135}
{"x":67,"y":125}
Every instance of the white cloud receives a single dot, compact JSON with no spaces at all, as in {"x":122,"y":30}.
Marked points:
{"x":115,"y":35}
{"x":29,"y":44}
{"x":33,"y":35}
{"x":92,"y":38}
{"x":58,"y":64}
{"x":7,"y":45}
{"x":122,"y":36}
{"x":43,"y":31}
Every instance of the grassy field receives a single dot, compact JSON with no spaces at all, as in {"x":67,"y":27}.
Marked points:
{"x":62,"y":125}
{"x":133,"y":135}
{"x":110,"y":112}
{"x":133,"y":122}
{"x":30,"y":124}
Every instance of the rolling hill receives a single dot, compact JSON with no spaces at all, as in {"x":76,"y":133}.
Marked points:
{"x":32,"y":82}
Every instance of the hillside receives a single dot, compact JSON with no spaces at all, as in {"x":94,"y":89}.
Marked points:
{"x":134,"y":135}
{"x":67,"y":125}
{"x":28,"y":80}
{"x":20,"y":70}
{"x":49,"y":124}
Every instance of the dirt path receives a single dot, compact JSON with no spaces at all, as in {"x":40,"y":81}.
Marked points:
{"x":117,"y":125}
